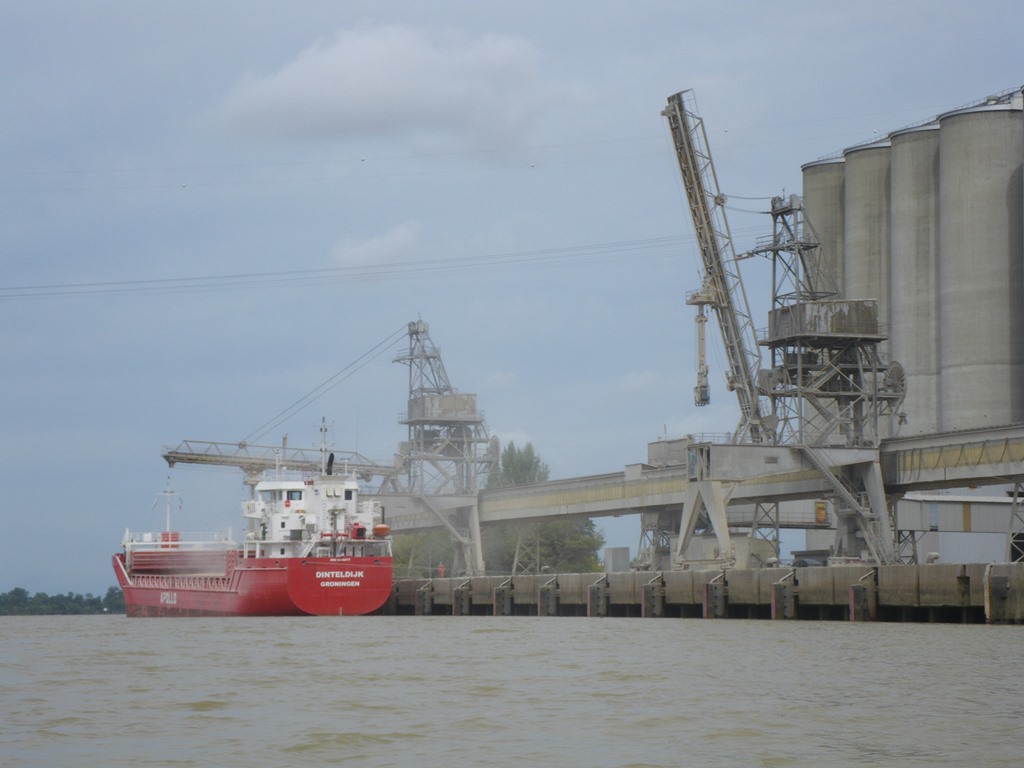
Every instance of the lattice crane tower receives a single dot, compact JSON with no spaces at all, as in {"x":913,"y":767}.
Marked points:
{"x":448,"y":451}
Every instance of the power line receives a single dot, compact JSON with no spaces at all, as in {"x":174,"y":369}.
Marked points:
{"x":325,"y":386}
{"x":573,"y":255}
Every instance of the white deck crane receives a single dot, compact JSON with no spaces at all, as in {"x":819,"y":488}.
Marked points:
{"x":722,"y":288}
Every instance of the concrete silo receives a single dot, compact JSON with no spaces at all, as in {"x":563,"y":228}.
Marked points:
{"x":913,"y":271}
{"x":823,"y":196}
{"x":866,"y":236}
{"x":866,"y":230}
{"x":981,"y":274}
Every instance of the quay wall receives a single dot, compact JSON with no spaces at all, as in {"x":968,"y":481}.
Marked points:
{"x":937,"y":592}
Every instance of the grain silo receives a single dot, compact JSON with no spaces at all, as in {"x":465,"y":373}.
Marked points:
{"x":981,"y":275}
{"x":866,"y":226}
{"x":823,"y":207}
{"x":866,"y":240}
{"x":913,"y":271}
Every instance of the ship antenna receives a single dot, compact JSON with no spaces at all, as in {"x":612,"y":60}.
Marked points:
{"x":323,"y":445}
{"x":284,"y":447}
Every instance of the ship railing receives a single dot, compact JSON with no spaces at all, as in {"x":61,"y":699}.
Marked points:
{"x":282,"y":475}
{"x":196,"y":582}
{"x":179,"y":540}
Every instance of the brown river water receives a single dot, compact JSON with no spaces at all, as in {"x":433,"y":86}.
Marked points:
{"x":474,"y":691}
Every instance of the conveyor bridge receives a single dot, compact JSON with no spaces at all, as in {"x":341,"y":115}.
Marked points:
{"x":759,"y":473}
{"x":749,"y":475}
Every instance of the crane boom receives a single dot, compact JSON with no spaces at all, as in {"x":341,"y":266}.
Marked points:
{"x":722,"y":287}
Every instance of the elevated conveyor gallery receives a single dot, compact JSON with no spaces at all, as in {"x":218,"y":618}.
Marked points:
{"x":757,"y":474}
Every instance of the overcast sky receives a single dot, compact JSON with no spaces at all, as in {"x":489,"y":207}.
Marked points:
{"x":209,"y":209}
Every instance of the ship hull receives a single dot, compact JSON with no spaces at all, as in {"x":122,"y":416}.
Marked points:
{"x":265,"y":586}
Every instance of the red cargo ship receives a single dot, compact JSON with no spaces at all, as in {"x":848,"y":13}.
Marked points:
{"x":310,"y":548}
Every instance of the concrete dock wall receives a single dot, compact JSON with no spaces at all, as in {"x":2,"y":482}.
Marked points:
{"x":969,"y":593}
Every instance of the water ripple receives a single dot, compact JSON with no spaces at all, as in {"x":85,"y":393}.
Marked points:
{"x":371,"y":692}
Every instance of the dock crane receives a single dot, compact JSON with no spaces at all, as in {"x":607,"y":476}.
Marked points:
{"x":827,"y":379}
{"x":721,"y":289}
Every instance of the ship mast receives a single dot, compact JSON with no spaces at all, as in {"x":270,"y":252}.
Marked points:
{"x":167,"y":493}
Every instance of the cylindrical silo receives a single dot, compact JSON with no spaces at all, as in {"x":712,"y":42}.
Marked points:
{"x":981,"y":275}
{"x":823,"y":208}
{"x":866,"y":241}
{"x":913,"y":271}
{"x":866,"y":232}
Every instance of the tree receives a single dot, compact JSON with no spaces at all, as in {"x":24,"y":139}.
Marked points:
{"x":18,"y":603}
{"x":14,"y":602}
{"x":517,"y":467}
{"x":558,"y":546}
{"x":113,"y":601}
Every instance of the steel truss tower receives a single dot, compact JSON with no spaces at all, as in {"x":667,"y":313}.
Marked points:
{"x":827,"y":382}
{"x":448,"y":447}
{"x":829,"y":387}
{"x":448,"y":453}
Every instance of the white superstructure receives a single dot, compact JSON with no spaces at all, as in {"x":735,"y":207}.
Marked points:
{"x":295,"y":515}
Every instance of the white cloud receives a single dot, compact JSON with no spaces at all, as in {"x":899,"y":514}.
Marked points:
{"x":397,"y":244}
{"x":399,"y":81}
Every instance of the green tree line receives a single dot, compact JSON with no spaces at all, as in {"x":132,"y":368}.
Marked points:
{"x":18,"y":602}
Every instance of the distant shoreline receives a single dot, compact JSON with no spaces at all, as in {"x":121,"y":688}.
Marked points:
{"x":18,"y":602}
